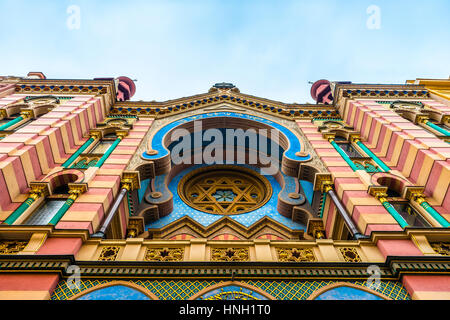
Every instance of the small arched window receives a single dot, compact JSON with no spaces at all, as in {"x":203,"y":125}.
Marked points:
{"x":103,"y":145}
{"x":400,"y":204}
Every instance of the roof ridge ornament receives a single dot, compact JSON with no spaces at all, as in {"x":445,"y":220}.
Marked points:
{"x":224,"y":86}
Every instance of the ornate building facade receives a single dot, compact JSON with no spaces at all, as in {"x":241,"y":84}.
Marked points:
{"x":224,"y":195}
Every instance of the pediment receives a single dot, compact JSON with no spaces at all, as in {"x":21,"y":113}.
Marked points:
{"x":223,"y":100}
{"x":225,"y":107}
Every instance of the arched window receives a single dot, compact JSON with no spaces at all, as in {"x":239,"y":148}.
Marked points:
{"x":348,"y":148}
{"x":45,"y":212}
{"x":400,"y":204}
{"x":104,"y":144}
{"x":52,"y":204}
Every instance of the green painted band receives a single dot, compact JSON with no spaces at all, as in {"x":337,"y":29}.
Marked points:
{"x":437,"y":128}
{"x":344,"y":155}
{"x":400,"y":220}
{"x":11,"y":123}
{"x":323,"y":204}
{"x":373,"y":156}
{"x":19,"y":211}
{"x":107,"y":153}
{"x":61,"y":212}
{"x":443,"y":222}
{"x":77,"y":153}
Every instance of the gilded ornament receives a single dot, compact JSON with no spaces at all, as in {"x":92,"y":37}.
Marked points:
{"x":295,"y":255}
{"x":443,"y":248}
{"x":164,"y":254}
{"x":12,"y":246}
{"x":229,"y":254}
{"x":109,"y":253}
{"x":350,"y":254}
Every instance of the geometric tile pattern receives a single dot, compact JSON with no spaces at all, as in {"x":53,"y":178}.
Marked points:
{"x":181,"y":209}
{"x":183,"y":289}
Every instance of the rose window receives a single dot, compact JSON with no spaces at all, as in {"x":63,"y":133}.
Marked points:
{"x":224,"y":189}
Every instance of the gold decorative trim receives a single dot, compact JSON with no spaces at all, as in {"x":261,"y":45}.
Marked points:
{"x":109,"y":253}
{"x":164,"y":254}
{"x":321,"y":180}
{"x":12,"y":246}
{"x":229,"y":254}
{"x":443,"y":248}
{"x":316,"y":229}
{"x":136,"y":226}
{"x":129,"y":284}
{"x":350,"y":254}
{"x":295,"y":255}
{"x":226,"y":221}
{"x":131,"y":180}
{"x":231,"y":283}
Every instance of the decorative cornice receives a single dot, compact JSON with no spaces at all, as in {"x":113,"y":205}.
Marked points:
{"x":167,"y":108}
{"x":381,"y":91}
{"x":65,"y":86}
{"x":393,"y":269}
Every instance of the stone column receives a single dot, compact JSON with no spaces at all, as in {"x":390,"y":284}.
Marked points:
{"x":420,"y":198}
{"x":23,"y":115}
{"x":343,"y":154}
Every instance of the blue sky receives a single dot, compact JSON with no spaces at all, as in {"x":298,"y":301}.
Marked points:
{"x":266,"y":48}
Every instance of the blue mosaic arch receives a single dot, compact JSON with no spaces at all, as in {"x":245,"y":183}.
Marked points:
{"x":191,"y":289}
{"x":157,"y":143}
{"x":115,"y":290}
{"x":231,"y":291}
{"x":346,"y":291}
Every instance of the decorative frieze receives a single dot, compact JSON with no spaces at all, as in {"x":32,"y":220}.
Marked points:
{"x":295,"y":255}
{"x":229,"y":254}
{"x":350,"y":254}
{"x":109,"y":253}
{"x":443,"y":248}
{"x":12,"y":246}
{"x":164,"y":254}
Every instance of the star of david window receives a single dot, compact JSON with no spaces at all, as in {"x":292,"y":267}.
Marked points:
{"x":224,"y":190}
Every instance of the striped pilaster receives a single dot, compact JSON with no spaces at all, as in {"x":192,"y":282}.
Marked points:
{"x":405,"y":147}
{"x":366,"y":211}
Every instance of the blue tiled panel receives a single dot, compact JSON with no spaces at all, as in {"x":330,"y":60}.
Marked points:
{"x":308,"y":189}
{"x":158,"y":138}
{"x":181,"y":209}
{"x":115,"y":293}
{"x":347,"y":293}
{"x":232,"y":293}
{"x":280,"y":290}
{"x":141,"y":191}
